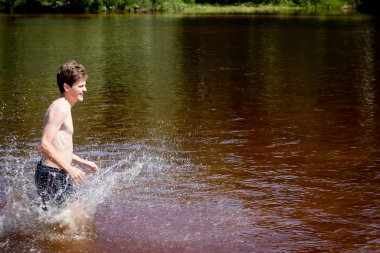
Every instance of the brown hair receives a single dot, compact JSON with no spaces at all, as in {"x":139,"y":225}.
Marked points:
{"x":70,"y":72}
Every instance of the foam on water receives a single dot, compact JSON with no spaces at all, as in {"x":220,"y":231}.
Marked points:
{"x":23,"y":220}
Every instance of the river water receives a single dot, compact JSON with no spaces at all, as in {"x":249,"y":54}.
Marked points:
{"x":218,"y":133}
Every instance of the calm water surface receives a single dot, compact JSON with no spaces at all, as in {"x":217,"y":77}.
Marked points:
{"x":213,"y":133}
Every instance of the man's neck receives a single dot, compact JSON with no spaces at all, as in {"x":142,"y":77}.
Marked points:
{"x":71,"y":102}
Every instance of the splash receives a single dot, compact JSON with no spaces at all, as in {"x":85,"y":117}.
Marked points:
{"x":23,"y":220}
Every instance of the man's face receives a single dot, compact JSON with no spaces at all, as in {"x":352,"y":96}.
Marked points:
{"x":76,"y":92}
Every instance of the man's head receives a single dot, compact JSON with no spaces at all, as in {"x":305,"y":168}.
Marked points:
{"x":69,"y":73}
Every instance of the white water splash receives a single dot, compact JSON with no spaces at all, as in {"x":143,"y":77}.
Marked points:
{"x":22,"y":218}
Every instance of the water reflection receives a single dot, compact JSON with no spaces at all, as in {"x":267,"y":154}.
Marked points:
{"x":224,"y":133}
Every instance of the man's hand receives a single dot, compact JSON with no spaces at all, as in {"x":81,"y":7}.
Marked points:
{"x":87,"y":165}
{"x":91,"y":167}
{"x":76,"y":175}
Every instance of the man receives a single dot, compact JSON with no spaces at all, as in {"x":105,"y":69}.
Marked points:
{"x":55,"y":172}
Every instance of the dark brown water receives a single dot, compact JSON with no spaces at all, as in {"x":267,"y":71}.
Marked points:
{"x":214,"y":133}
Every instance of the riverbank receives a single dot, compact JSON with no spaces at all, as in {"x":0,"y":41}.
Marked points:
{"x":262,"y":9}
{"x":179,"y":6}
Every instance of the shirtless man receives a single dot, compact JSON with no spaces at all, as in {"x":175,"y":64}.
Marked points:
{"x":55,"y":172}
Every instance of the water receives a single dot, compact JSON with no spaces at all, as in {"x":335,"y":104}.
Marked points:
{"x":213,"y":133}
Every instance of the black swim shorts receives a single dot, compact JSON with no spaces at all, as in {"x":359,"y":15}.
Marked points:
{"x":54,"y":185}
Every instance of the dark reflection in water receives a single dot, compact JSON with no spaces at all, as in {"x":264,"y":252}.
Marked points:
{"x":214,"y":133}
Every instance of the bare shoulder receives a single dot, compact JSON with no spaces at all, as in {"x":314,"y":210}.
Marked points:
{"x":60,"y":104}
{"x":59,"y":109}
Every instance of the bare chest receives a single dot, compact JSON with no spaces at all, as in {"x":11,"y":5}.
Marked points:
{"x":67,"y":126}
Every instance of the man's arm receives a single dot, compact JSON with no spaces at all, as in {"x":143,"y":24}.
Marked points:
{"x":88,"y":165}
{"x":54,"y":120}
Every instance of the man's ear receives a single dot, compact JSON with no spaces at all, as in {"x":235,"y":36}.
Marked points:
{"x":66,"y":87}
